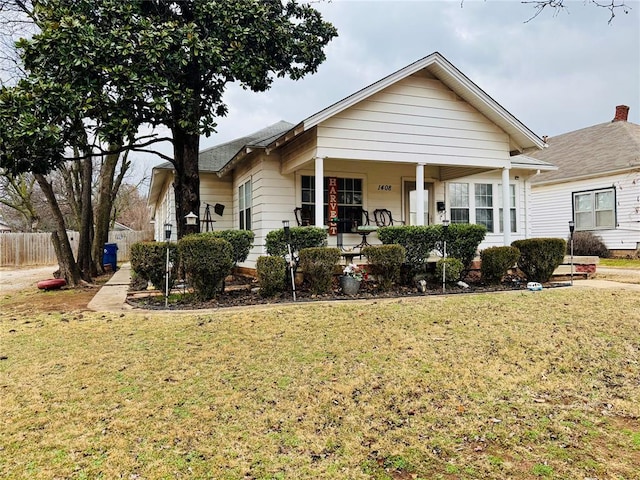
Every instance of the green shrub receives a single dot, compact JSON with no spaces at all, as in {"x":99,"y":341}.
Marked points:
{"x":301,"y":237}
{"x":539,"y":257}
{"x":385,"y":262}
{"x":453,"y":272}
{"x":463,"y":240}
{"x":586,"y":243}
{"x":496,"y":261}
{"x":318,"y":264}
{"x":149,"y":262}
{"x":418,"y":242}
{"x":206,"y":261}
{"x":241,"y":241}
{"x":272,"y":275}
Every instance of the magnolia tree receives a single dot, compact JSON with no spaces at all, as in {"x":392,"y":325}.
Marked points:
{"x":96,"y":71}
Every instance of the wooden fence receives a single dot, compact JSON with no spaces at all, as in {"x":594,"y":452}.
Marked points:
{"x":30,"y":249}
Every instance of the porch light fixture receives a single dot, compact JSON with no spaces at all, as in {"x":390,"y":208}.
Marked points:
{"x":572,"y":227}
{"x":290,"y":262}
{"x":167,"y":237}
{"x":445,"y":230}
{"x":191,"y":218}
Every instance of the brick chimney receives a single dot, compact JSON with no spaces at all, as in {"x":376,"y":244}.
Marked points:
{"x":622,"y":113}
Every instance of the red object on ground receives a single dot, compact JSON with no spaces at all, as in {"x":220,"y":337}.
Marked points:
{"x":52,"y":283}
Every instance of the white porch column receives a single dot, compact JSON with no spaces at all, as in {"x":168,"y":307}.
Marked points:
{"x":506,"y":206}
{"x":319,"y":200}
{"x":420,"y":194}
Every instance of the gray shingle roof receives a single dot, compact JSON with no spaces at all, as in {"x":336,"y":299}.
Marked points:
{"x":597,"y":150}
{"x":214,"y":158}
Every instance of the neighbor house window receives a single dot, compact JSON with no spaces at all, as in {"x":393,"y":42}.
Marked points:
{"x":244,"y":202}
{"x":512,"y":209}
{"x":595,"y":209}
{"x":484,"y":205}
{"x":349,"y":196}
{"x":459,"y":202}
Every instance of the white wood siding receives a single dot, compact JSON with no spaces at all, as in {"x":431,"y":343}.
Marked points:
{"x":214,"y":189}
{"x":416,"y":119}
{"x":551,"y":209}
{"x":272,"y":196}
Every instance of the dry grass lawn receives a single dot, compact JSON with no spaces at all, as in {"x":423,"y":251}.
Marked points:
{"x":519,"y":385}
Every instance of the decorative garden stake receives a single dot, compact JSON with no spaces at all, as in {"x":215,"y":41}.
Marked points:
{"x":167,"y":237}
{"x":572,"y":227}
{"x":445,"y":229}
{"x":290,"y":261}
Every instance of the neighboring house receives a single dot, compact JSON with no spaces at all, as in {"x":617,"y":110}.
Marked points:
{"x":426,"y":124}
{"x":4,"y":227}
{"x":597,"y":184}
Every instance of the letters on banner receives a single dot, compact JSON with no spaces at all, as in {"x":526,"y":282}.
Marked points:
{"x":333,"y":205}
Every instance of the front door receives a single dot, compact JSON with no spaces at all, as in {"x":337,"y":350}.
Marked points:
{"x":410,"y":206}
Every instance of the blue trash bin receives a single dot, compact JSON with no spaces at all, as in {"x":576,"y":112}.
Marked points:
{"x":110,"y":255}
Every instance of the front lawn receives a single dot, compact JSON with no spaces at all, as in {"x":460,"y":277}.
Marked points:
{"x":492,"y":386}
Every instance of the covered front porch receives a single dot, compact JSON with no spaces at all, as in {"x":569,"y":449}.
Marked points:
{"x":352,"y":198}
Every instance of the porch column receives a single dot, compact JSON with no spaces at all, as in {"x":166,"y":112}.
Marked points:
{"x":420,"y":194}
{"x":319,"y":200}
{"x":506,"y":206}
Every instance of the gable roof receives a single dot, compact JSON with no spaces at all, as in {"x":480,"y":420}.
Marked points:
{"x":603,"y":149}
{"x":447,"y":73}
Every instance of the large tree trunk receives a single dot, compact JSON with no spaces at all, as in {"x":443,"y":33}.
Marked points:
{"x":68,"y":267}
{"x":187,"y":181}
{"x":108,"y":187}
{"x":85,"y":262}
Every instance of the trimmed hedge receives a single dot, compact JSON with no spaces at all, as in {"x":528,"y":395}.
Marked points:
{"x":539,"y":257}
{"x":463,"y":240}
{"x":301,"y":237}
{"x":318,"y":264}
{"x":496,"y":261}
{"x":418,"y":242}
{"x":206,"y":260}
{"x":272,"y":275}
{"x":385,"y":262}
{"x":149,"y":262}
{"x":241,"y":241}
{"x":453,"y":272}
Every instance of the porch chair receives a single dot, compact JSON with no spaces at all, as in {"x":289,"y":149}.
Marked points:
{"x":384,"y":218}
{"x":303,"y":216}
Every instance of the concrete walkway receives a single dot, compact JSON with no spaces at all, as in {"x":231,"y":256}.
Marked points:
{"x":112,"y":296}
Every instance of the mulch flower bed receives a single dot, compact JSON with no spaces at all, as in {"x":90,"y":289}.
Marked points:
{"x":243,"y":291}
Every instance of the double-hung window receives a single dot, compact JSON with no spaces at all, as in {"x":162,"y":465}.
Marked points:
{"x":244,"y":202}
{"x":459,"y":202}
{"x":349,"y":196}
{"x":484,"y":205}
{"x":512,"y":208}
{"x":595,"y":209}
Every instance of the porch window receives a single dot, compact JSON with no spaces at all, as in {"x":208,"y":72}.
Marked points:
{"x":594,"y":209}
{"x":459,"y":202}
{"x":244,"y":202}
{"x":349,"y":196}
{"x":484,"y":205}
{"x":512,"y":209}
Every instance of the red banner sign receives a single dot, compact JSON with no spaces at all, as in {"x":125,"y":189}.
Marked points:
{"x":333,"y":205}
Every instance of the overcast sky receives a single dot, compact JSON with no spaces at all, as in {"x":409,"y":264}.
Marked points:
{"x":557,"y":73}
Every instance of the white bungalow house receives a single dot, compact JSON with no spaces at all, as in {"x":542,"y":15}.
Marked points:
{"x":597,"y":184}
{"x":426,"y":124}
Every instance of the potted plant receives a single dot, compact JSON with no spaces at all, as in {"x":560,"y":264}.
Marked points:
{"x":351,"y":278}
